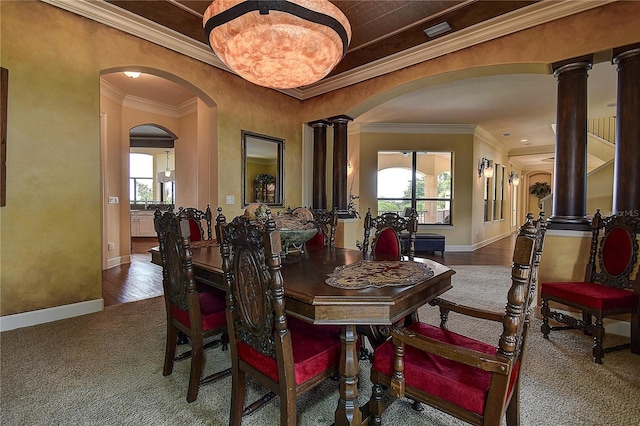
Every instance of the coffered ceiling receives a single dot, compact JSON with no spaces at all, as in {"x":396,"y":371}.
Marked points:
{"x":516,"y":110}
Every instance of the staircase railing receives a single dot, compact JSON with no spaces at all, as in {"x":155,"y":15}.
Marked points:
{"x":604,"y":128}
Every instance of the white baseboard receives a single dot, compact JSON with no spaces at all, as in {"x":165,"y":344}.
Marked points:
{"x":41,"y":316}
{"x":113,"y":262}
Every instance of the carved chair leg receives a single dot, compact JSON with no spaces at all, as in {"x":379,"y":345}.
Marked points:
{"x":598,"y":334}
{"x":197,"y":357}
{"x":377,"y":404}
{"x":224,"y":339}
{"x":237,"y":397}
{"x":588,"y":321}
{"x":444,"y":317}
{"x":635,"y":333}
{"x":544,"y":310}
{"x":513,"y":409}
{"x":170,"y":351}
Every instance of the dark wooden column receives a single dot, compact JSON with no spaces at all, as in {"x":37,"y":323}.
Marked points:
{"x":626,"y":175}
{"x":340,"y":194}
{"x":570,"y":168}
{"x":319,"y":163}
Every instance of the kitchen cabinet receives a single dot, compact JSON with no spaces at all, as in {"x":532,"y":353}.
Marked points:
{"x":142,"y":224}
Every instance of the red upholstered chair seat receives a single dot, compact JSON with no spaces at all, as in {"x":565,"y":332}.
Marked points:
{"x":212,"y":306}
{"x":594,"y":295}
{"x":387,"y":246}
{"x":460,"y":384}
{"x":313,"y":352}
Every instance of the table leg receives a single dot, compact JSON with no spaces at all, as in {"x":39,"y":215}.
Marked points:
{"x":348,"y":411}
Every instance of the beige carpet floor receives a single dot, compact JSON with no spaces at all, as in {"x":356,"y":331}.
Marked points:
{"x":106,"y":369}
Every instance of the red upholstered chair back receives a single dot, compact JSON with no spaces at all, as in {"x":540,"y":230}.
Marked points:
{"x":387,"y":242}
{"x":196,"y":219}
{"x":616,"y":251}
{"x":386,"y":245}
{"x":617,"y":254}
{"x":326,"y":222}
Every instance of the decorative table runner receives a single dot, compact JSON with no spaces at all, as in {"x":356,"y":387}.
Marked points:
{"x":204,"y":243}
{"x":367,"y":273}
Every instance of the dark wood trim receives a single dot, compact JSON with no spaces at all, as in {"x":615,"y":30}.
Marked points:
{"x":4,"y":87}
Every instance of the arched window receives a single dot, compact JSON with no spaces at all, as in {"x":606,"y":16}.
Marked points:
{"x":417,"y":179}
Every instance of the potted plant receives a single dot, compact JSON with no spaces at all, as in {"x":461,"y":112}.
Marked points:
{"x":540,"y":190}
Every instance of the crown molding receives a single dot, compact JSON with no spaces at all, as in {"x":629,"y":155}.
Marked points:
{"x":515,"y":21}
{"x":110,"y":91}
{"x":488,"y":138}
{"x":413,"y":128}
{"x":518,"y":20}
{"x":130,"y":23}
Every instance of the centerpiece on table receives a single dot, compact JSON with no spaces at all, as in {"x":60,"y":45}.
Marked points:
{"x":296,"y":227}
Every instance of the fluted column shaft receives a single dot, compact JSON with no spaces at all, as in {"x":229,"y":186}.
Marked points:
{"x":626,"y":175}
{"x":319,"y":195}
{"x":340,"y":131}
{"x":570,"y":168}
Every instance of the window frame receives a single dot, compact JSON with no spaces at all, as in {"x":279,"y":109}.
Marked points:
{"x":415,"y":200}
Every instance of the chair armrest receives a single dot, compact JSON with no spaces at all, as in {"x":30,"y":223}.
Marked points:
{"x":446,"y":306}
{"x":401,"y":337}
{"x":481,"y":360}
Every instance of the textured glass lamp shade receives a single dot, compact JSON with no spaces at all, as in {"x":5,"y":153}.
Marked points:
{"x":279,"y":44}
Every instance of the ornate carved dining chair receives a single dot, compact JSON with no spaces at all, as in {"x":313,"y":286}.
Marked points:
{"x":611,"y":285}
{"x":196,"y":217}
{"x":464,"y":377}
{"x":286,"y":355}
{"x":326,"y":221}
{"x":198,"y":315}
{"x":387,"y":242}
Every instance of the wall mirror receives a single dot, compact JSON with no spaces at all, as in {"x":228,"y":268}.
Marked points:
{"x":262,"y":169}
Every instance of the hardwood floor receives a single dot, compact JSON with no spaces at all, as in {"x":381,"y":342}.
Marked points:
{"x":141,"y":279}
{"x":138,"y":280}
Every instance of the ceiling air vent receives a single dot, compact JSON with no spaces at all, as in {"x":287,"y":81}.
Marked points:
{"x":436,"y":30}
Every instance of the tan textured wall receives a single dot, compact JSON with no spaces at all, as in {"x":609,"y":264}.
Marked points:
{"x":460,"y":145}
{"x":51,"y":226}
{"x":51,"y":232}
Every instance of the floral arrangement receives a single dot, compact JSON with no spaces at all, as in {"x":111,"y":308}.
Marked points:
{"x":540,"y":189}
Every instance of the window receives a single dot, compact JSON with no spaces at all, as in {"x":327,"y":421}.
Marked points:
{"x":140,"y":178}
{"x":418,"y":179}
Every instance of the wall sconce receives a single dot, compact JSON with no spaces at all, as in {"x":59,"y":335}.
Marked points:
{"x":349,"y":167}
{"x":514,"y":179}
{"x":132,"y":74}
{"x":485,"y":168}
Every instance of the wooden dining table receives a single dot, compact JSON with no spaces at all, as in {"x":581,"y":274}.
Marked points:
{"x":310,"y":298}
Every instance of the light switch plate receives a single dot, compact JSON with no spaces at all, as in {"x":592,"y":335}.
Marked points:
{"x":113,"y":200}
{"x":231,"y":199}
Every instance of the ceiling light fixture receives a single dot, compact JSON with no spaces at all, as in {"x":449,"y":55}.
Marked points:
{"x":167,"y":171}
{"x":280,"y":44}
{"x":132,"y":74}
